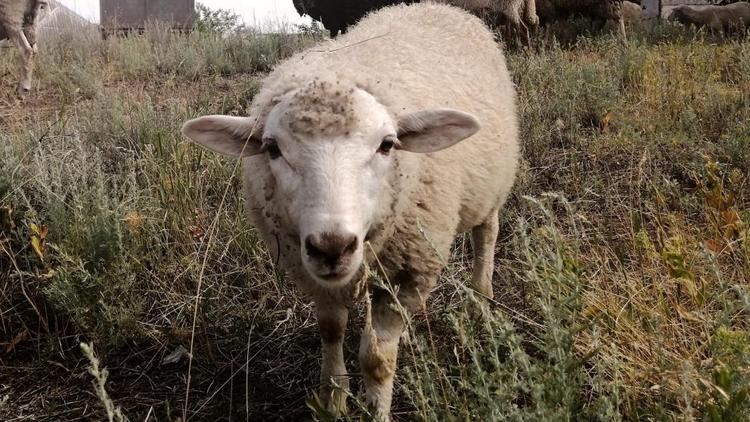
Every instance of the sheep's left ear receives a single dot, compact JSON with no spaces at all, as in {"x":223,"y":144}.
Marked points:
{"x":435,"y":129}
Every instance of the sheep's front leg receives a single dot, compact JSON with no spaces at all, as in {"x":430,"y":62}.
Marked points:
{"x":378,"y":351}
{"x":27,"y":60}
{"x":483,"y":238}
{"x":332,"y":320}
{"x":621,"y":25}
{"x":530,"y":13}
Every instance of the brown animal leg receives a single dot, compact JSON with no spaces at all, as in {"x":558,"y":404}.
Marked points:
{"x":621,"y":23}
{"x":27,"y":61}
{"x":527,"y":34}
{"x":483,"y":238}
{"x":530,"y":15}
{"x":378,"y":351}
{"x":514,"y":27}
{"x":332,"y":320}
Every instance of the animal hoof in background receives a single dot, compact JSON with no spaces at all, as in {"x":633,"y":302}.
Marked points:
{"x":23,"y":91}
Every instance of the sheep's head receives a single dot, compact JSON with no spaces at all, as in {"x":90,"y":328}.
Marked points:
{"x":31,"y":18}
{"x":33,"y":11}
{"x":677,"y":14}
{"x":331,"y":149}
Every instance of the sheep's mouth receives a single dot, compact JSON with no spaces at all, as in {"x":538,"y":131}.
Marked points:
{"x":330,"y":276}
{"x":335,"y":277}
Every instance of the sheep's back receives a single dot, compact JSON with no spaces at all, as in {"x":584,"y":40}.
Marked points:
{"x":11,"y":15}
{"x":438,"y":56}
{"x":553,"y":9}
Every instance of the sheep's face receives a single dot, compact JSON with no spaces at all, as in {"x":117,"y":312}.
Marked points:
{"x":677,"y":14}
{"x":31,"y":18}
{"x":331,"y":151}
{"x":34,"y":10}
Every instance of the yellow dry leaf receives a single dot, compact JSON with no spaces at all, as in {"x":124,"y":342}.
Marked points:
{"x":686,"y":314}
{"x":19,"y":338}
{"x":36,"y":245}
{"x":590,"y":311}
{"x":606,"y":119}
{"x":134,"y":220}
{"x":714,"y":245}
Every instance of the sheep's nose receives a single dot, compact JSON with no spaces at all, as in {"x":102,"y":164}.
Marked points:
{"x":330,"y":248}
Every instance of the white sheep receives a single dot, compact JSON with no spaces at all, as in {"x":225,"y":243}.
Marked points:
{"x":716,"y":18}
{"x":353,"y":156}
{"x":632,"y":13}
{"x":18,"y":19}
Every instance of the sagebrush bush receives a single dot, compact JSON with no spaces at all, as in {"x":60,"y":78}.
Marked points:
{"x":487,"y":368}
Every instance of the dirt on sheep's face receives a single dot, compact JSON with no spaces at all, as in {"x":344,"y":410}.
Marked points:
{"x":322,"y":109}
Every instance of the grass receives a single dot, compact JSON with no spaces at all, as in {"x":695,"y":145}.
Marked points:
{"x":621,"y":283}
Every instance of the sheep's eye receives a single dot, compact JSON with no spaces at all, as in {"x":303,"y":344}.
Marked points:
{"x":273,"y":151}
{"x":386,"y":146}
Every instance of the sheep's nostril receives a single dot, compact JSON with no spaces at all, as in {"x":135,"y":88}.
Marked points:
{"x":312,"y":250}
{"x":330,"y":247}
{"x":351,"y":247}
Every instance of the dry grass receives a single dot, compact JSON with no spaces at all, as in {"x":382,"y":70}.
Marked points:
{"x":623,"y":295}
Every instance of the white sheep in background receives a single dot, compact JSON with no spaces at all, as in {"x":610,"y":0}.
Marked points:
{"x":386,"y":142}
{"x":18,"y":19}
{"x":519,"y":13}
{"x":716,"y":18}
{"x":632,"y":13}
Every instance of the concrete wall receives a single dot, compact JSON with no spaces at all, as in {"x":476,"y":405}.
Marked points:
{"x":133,"y":14}
{"x":650,"y":8}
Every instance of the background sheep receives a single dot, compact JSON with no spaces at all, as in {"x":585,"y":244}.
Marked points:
{"x":517,"y":13}
{"x":551,"y":10}
{"x":716,"y":18}
{"x":325,"y":170}
{"x":632,"y":13}
{"x":18,"y":20}
{"x":337,"y":15}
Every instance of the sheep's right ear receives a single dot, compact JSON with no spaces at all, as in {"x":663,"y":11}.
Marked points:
{"x":434,"y":129}
{"x":228,"y":135}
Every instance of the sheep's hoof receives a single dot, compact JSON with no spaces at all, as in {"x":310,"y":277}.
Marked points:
{"x":23,"y":91}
